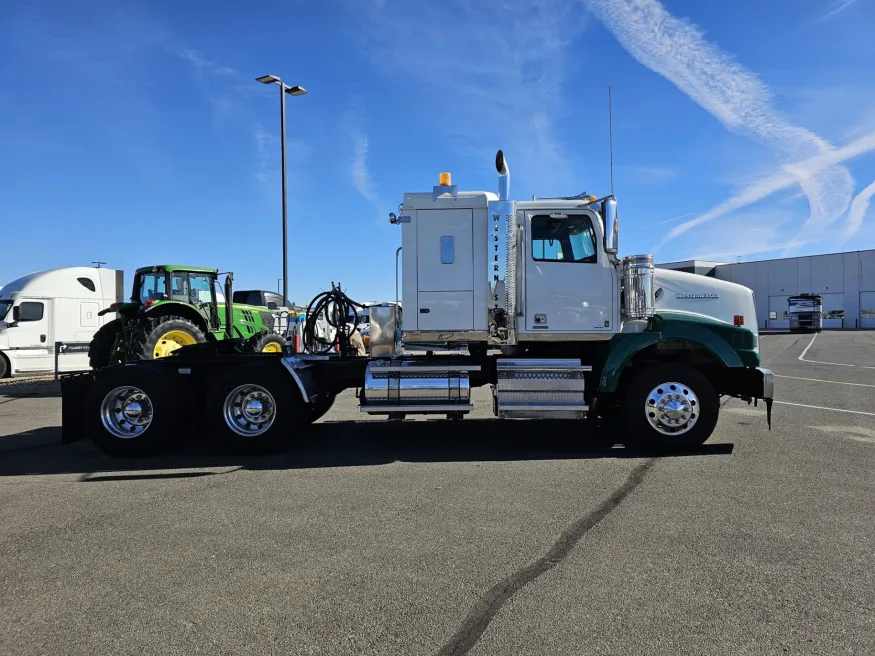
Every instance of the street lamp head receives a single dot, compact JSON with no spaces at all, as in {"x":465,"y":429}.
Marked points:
{"x":296,"y":91}
{"x":268,"y":79}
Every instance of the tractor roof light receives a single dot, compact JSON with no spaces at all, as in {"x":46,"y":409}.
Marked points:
{"x":445,"y":179}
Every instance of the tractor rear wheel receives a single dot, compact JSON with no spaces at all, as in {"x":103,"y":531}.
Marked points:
{"x":158,"y":337}
{"x":102,"y":345}
{"x":270,"y":343}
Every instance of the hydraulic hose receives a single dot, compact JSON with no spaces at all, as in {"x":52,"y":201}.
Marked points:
{"x":337,"y":308}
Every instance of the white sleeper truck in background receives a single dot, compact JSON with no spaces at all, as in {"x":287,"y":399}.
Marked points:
{"x":57,"y":305}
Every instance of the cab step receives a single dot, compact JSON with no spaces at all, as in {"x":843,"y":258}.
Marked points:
{"x":540,"y":389}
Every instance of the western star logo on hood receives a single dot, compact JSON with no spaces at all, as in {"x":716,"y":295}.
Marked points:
{"x":704,"y":295}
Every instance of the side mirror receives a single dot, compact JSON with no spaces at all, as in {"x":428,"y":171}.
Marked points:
{"x":271,"y":305}
{"x":612,"y":226}
{"x":16,"y":314}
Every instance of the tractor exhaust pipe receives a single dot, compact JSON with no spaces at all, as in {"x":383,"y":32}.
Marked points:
{"x":503,"y":176}
{"x":229,"y":306}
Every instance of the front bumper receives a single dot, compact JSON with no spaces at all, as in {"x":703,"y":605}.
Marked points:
{"x":750,"y":384}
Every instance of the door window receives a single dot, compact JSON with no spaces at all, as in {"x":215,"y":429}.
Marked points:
{"x":153,"y":287}
{"x":31,"y":311}
{"x":570,"y":239}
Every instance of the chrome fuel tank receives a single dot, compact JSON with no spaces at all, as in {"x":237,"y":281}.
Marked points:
{"x":404,"y":386}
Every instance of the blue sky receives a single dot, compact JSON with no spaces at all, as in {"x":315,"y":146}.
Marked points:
{"x":135,"y":133}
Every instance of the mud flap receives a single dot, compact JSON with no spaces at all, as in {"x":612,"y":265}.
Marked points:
{"x":74,"y":393}
{"x":769,"y":412}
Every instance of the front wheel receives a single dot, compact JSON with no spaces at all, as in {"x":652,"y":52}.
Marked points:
{"x":270,"y":343}
{"x":101,"y":351}
{"x":670,"y":405}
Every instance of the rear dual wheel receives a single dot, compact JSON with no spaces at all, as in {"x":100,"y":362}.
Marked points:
{"x":131,"y":411}
{"x":256,"y":408}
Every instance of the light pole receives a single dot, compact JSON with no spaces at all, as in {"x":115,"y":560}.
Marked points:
{"x":292,"y":91}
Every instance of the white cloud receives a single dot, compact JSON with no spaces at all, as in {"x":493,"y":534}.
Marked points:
{"x":678,"y":51}
{"x":776,"y":182}
{"x":648,"y":176}
{"x":836,"y":7}
{"x":859,"y":208}
{"x":487,"y":74}
{"x":361,"y":176}
{"x":752,"y":233}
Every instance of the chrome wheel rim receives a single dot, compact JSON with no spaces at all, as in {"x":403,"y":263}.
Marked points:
{"x":250,"y":410}
{"x":126,"y":412}
{"x":672,"y":408}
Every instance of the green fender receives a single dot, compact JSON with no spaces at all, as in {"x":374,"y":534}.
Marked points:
{"x":624,"y":346}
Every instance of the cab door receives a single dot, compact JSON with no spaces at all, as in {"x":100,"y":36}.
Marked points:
{"x":30,"y":336}
{"x":570,"y":286}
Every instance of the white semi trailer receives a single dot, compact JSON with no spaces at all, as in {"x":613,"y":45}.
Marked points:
{"x":57,"y":305}
{"x":528,"y":298}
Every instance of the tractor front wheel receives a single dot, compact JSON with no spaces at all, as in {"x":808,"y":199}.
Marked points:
{"x":270,"y":343}
{"x":102,"y":347}
{"x":158,"y":337}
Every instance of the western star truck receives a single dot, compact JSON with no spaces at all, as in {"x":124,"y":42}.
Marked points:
{"x":528,"y":298}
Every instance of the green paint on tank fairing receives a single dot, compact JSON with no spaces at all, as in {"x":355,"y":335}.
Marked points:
{"x":733,"y":346}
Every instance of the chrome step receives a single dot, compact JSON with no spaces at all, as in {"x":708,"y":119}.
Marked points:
{"x":380,"y":409}
{"x":540,"y":389}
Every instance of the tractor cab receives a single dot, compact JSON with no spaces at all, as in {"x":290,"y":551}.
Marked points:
{"x":192,"y":286}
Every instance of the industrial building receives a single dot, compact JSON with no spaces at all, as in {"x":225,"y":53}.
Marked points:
{"x":846,"y":282}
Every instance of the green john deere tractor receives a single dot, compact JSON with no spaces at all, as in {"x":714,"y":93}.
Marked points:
{"x":173,"y":306}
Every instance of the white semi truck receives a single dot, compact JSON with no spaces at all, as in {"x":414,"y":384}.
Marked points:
{"x":57,"y":305}
{"x":529,"y":298}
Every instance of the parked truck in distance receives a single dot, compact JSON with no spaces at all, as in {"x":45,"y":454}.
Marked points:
{"x":805,"y":313}
{"x":56,"y":305}
{"x":172,"y":306}
{"x":529,"y":298}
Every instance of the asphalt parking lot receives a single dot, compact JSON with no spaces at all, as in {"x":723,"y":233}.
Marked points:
{"x":477,"y":537}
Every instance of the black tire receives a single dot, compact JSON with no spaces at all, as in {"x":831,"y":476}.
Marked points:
{"x":152,"y":329}
{"x":104,"y":423}
{"x":102,"y":345}
{"x":270,"y":341}
{"x":699,"y":404}
{"x":321,"y":407}
{"x":268,"y":384}
{"x":4,"y":366}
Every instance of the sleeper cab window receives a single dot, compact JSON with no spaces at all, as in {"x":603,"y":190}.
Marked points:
{"x":87,"y":283}
{"x":447,"y":248}
{"x":568,"y":239}
{"x":31,"y":311}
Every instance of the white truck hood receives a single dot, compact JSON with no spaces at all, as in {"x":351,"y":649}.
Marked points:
{"x":693,"y":294}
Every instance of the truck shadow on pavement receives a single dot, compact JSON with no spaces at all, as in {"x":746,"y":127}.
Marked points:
{"x":355,"y":444}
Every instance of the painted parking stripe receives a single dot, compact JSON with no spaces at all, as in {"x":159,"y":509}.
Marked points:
{"x":835,"y":364}
{"x":819,"y":407}
{"x":856,"y":433}
{"x":820,"y":380}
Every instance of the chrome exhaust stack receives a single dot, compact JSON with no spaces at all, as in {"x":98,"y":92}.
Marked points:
{"x":503,"y":176}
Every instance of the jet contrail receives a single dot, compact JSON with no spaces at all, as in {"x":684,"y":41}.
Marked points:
{"x":736,"y":97}
{"x":859,"y":207}
{"x":774,"y":183}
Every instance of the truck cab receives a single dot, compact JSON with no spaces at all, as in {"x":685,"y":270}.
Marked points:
{"x":58,"y":305}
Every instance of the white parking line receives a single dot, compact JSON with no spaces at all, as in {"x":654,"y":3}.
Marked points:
{"x":820,"y":380}
{"x":866,"y":435}
{"x":818,"y":407}
{"x":835,"y":364}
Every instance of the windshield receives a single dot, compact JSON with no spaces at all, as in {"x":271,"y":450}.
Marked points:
{"x":5,"y":306}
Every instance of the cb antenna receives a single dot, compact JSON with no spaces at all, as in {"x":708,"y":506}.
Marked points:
{"x":611,"y":135}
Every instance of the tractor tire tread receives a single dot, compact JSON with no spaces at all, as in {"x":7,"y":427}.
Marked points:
{"x":147,"y":334}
